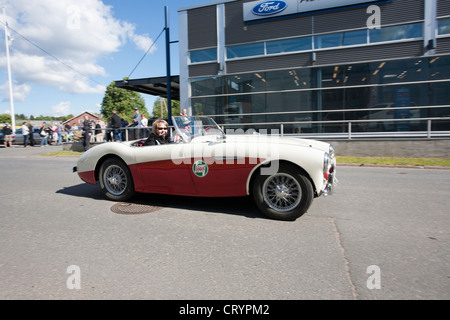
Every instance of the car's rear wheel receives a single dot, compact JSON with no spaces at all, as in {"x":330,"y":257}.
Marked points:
{"x":115,"y":180}
{"x":285,"y":195}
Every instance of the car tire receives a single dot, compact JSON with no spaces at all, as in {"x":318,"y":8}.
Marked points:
{"x":115,"y":180}
{"x":285,"y":195}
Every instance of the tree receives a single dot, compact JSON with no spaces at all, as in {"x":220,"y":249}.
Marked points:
{"x":5,"y":118}
{"x":123,"y":101}
{"x":157,"y":108}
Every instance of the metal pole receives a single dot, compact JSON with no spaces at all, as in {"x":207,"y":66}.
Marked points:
{"x":13,"y":117}
{"x":169,"y":78}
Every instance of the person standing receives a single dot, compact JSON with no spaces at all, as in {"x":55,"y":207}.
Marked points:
{"x":138,"y":123}
{"x":86,"y":133}
{"x":7,"y":135}
{"x":98,"y":132}
{"x":115,"y":125}
{"x":43,"y":133}
{"x":144,"y":121}
{"x":26,"y":134}
{"x":60,"y":132}
{"x":31,"y":129}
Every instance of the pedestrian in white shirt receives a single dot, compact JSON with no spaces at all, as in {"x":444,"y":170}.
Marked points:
{"x":26,"y":134}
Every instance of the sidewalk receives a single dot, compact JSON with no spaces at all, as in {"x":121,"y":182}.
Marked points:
{"x":20,"y":151}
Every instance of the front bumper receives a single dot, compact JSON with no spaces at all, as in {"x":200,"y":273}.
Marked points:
{"x":329,"y":174}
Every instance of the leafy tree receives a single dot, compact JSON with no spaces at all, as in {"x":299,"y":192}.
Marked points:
{"x":5,"y":118}
{"x":157,"y":108}
{"x":123,"y":101}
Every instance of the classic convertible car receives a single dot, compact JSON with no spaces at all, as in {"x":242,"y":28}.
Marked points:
{"x":283,"y":175}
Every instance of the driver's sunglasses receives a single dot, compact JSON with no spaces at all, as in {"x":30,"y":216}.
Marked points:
{"x":162,"y":128}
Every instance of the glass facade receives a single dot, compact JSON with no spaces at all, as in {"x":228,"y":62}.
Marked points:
{"x":324,"y":41}
{"x":444,"y":26}
{"x":357,"y":91}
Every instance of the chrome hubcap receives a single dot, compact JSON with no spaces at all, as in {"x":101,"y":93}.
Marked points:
{"x":282,"y":192}
{"x":115,"y":180}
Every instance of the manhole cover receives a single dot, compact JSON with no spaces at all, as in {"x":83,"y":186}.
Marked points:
{"x":132,"y":208}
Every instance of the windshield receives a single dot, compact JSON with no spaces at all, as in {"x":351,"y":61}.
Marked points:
{"x":188,"y":128}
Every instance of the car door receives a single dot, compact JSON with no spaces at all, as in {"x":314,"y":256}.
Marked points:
{"x":162,"y":172}
{"x":222,"y":170}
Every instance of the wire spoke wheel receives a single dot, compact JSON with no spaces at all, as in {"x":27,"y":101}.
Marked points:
{"x":285,"y":195}
{"x":282,"y":192}
{"x":115,"y":180}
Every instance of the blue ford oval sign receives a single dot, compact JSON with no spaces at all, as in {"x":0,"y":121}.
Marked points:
{"x":269,"y":7}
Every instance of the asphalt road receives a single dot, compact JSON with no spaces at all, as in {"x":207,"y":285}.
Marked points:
{"x":384,"y":234}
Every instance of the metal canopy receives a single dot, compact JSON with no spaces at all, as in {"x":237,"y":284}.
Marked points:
{"x":152,"y":86}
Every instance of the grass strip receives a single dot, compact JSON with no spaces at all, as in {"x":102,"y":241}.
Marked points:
{"x":63,"y":153}
{"x":395,"y":161}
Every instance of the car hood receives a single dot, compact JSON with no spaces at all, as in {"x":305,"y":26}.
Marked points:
{"x":261,"y":138}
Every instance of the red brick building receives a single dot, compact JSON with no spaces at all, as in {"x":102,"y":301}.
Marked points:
{"x":78,"y":120}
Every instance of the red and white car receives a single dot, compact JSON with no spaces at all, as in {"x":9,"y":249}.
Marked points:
{"x":283,"y":175}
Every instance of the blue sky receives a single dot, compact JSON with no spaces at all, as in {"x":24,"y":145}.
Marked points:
{"x":90,"y":42}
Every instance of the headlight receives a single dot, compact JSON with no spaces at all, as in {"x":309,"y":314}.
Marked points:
{"x":331,"y":151}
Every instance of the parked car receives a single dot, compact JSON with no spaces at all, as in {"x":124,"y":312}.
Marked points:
{"x":283,"y":175}
{"x":19,"y":136}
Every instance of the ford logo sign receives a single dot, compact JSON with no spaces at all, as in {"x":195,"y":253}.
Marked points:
{"x":269,"y":7}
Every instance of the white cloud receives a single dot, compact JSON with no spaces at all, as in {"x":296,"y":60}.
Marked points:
{"x":20,"y":91}
{"x":61,"y":109}
{"x":143,"y":42}
{"x":79,"y":33}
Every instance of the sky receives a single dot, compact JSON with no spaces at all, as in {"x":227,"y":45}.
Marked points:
{"x":64,"y":53}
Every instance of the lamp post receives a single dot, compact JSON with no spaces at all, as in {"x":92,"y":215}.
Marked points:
{"x":168,"y":76}
{"x":11,"y":100}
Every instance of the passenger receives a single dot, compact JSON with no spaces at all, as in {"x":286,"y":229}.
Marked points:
{"x":159,"y":135}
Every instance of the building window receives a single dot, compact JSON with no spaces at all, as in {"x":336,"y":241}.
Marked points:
{"x":355,"y":37}
{"x":444,"y":26}
{"x":206,"y":55}
{"x":246,"y":50}
{"x":289,"y":45}
{"x":276,"y":96}
{"x":407,"y":31}
{"x":328,"y":40}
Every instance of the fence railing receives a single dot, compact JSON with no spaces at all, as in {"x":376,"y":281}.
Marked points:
{"x":401,"y":128}
{"x":364,"y":127}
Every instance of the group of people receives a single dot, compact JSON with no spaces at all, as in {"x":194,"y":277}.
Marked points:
{"x":138,"y":127}
{"x":48,"y":134}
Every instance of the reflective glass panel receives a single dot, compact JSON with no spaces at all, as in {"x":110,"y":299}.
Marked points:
{"x":444,"y":26}
{"x":355,"y":37}
{"x":328,"y":40}
{"x":207,"y":86}
{"x":289,"y":45}
{"x":245,"y":50}
{"x":408,"y":31}
{"x":203,"y":55}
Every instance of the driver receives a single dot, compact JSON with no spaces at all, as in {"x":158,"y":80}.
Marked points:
{"x":159,"y":134}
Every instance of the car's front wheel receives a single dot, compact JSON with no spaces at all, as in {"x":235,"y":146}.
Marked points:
{"x":115,"y":180}
{"x":285,"y":195}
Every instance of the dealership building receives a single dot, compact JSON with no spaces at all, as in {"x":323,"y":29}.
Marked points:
{"x":317,"y":66}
